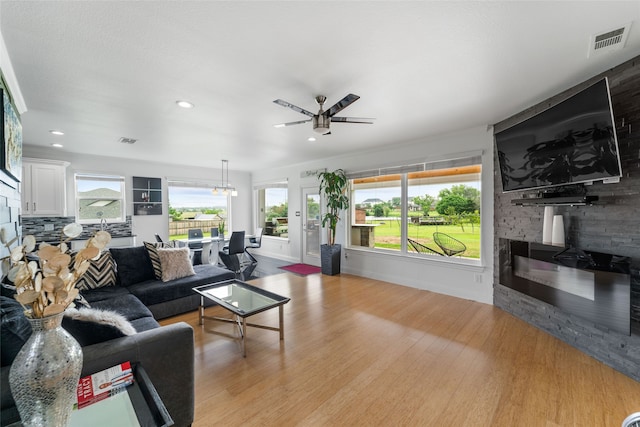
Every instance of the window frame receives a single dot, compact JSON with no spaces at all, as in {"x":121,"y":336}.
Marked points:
{"x":260,"y":198}
{"x":449,"y":162}
{"x":97,"y":178}
{"x":182,"y":183}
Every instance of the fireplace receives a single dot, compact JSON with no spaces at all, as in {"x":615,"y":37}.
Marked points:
{"x":587,"y":284}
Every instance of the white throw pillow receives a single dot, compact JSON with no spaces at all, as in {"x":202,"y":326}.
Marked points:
{"x":175,"y":263}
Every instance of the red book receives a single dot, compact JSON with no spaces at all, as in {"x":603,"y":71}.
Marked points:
{"x":99,"y":386}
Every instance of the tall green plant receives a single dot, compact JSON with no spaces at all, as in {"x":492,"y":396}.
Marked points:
{"x":333,"y":186}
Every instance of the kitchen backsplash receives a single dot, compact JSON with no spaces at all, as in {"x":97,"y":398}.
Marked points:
{"x":36,"y":227}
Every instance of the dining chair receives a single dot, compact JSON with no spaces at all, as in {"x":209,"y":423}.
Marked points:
{"x":195,"y":247}
{"x":254,"y":243}
{"x":230,"y":255}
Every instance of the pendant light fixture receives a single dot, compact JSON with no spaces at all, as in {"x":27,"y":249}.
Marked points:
{"x":225,"y":188}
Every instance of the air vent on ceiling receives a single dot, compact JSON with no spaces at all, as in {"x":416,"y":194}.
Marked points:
{"x":127,"y":140}
{"x":608,"y":41}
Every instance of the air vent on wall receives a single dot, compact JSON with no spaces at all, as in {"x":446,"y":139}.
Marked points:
{"x":608,"y":41}
{"x":127,"y":140}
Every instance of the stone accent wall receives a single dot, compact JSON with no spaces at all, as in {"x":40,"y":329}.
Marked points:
{"x":612,"y":225}
{"x":35,"y":226}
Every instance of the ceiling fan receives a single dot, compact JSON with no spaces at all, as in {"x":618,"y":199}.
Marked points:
{"x":322,"y":120}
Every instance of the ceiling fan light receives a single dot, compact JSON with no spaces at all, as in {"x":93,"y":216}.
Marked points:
{"x":321,"y":124}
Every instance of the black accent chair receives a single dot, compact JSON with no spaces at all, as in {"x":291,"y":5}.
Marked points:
{"x":448,"y":244}
{"x":196,"y":247}
{"x":230,"y":255}
{"x":254,"y":243}
{"x":423,"y":249}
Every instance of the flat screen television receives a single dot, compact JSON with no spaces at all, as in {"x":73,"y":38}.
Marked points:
{"x":572,"y":142}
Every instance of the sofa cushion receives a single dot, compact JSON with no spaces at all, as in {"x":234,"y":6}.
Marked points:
{"x":127,"y":305}
{"x":91,"y":326}
{"x":101,"y":272}
{"x":132,"y":265}
{"x":16,"y":329}
{"x":145,"y":323}
{"x":175,"y":263}
{"x":94,"y":295}
{"x":156,"y":292}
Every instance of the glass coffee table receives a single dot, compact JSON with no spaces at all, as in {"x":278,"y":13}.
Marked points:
{"x":243,"y":300}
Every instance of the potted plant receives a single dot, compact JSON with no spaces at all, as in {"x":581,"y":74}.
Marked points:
{"x":221,"y":228}
{"x":333,"y":186}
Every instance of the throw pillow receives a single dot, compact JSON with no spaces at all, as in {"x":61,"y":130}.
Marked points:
{"x":175,"y":263}
{"x":152,"y":249}
{"x":132,"y":265}
{"x":91,"y":326}
{"x":101,"y":272}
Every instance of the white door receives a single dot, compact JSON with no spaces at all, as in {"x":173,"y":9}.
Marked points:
{"x":311,"y":226}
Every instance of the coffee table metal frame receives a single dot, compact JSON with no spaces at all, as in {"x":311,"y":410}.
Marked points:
{"x":242,"y":312}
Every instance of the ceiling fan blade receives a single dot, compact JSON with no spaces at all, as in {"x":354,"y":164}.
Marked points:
{"x":293,"y":107}
{"x":281,"y":125}
{"x":341,"y":105}
{"x":364,"y":120}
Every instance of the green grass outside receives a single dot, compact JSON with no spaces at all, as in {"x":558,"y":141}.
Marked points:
{"x":387,"y":235}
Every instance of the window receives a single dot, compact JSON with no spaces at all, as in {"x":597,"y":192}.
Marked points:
{"x":99,"y":197}
{"x":377,"y":219}
{"x":401,"y":211}
{"x":194,"y":205}
{"x":273,"y":209}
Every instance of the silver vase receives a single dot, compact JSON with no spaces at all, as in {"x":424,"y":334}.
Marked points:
{"x":44,"y":375}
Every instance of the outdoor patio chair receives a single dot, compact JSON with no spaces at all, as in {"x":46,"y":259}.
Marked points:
{"x":448,"y":244}
{"x":423,"y":249}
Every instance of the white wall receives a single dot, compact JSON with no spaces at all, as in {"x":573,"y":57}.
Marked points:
{"x":448,"y":277}
{"x":145,"y":226}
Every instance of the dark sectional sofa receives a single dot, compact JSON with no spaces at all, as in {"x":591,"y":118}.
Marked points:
{"x":165,"y":352}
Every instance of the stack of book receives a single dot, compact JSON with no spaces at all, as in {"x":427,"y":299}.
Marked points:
{"x":99,"y":386}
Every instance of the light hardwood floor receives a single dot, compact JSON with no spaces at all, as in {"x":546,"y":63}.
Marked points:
{"x":363,"y":352}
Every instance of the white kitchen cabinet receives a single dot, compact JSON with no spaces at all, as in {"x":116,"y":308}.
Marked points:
{"x":44,"y":187}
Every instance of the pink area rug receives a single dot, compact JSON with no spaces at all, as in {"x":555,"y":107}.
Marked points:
{"x":301,"y":269}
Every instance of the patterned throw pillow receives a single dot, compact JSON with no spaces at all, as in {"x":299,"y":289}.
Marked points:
{"x":155,"y":259}
{"x":152,"y":248}
{"x":101,"y":272}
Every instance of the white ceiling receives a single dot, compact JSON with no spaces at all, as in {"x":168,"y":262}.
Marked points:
{"x":103,"y":70}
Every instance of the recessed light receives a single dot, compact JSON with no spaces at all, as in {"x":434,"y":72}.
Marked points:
{"x":56,"y":132}
{"x":185,"y":104}
{"x":311,"y":139}
{"x":57,"y":145}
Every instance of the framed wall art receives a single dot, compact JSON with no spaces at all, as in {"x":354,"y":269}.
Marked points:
{"x":11,"y":162}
